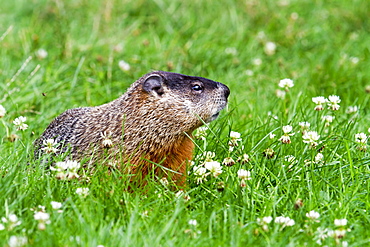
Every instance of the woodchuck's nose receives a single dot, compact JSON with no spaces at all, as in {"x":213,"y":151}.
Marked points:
{"x":226,"y":90}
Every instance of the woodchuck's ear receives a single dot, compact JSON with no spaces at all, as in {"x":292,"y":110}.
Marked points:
{"x":154,"y":83}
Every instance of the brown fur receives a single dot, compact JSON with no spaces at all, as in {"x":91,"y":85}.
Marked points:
{"x":157,"y":115}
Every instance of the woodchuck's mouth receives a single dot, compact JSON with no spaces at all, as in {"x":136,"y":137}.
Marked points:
{"x":214,"y":117}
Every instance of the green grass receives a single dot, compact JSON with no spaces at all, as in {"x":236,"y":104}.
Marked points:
{"x":219,"y":40}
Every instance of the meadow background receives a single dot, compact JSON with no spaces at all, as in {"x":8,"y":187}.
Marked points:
{"x":56,"y":55}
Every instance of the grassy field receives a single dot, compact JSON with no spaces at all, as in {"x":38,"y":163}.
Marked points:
{"x":280,"y":183}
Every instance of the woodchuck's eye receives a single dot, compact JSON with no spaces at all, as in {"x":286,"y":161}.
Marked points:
{"x":197,"y":88}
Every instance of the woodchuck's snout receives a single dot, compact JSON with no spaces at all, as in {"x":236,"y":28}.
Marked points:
{"x":222,"y":101}
{"x":152,"y":123}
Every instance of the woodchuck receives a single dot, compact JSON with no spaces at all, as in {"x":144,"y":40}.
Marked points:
{"x":149,"y":128}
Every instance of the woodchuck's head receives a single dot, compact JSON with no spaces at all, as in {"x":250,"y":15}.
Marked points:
{"x":181,"y":102}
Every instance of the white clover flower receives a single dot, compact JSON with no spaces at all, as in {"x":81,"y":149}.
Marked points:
{"x":334,"y":99}
{"x":290,"y":158}
{"x":354,"y":60}
{"x":107,"y":141}
{"x":234,"y":138}
{"x":269,"y":153}
{"x":199,"y":170}
{"x":244,"y":158}
{"x":294,"y":16}
{"x":290,"y":222}
{"x":273,"y":116}
{"x":266,"y":220}
{"x":286,"y":83}
{"x":200,"y":174}
{"x":228,"y":161}
{"x":201,"y":133}
{"x":207,"y":156}
{"x":193,"y":222}
{"x":83,"y":192}
{"x":60,"y":166}
{"x":257,"y":61}
{"x":243,"y":183}
{"x":321,"y":234}
{"x":66,"y":169}
{"x":118,"y":48}
{"x":43,"y":219}
{"x":304,"y":125}
{"x":41,"y":53}
{"x":56,"y":205}
{"x":244,"y":174}
{"x":283,"y":3}
{"x":361,"y":138}
{"x":164,"y":181}
{"x":272,"y":135}
{"x":340,"y":222}
{"x":319,"y":101}
{"x":124,"y":66}
{"x":261,"y":35}
{"x":249,"y":72}
{"x":353,"y":36}
{"x":73,"y":165}
{"x":41,"y":216}
{"x":352,"y":109}
{"x":182,"y":195}
{"x":231,"y":51}
{"x":19,"y":123}
{"x":280,"y":94}
{"x":337,"y":234}
{"x":319,"y":157}
{"x":285,"y":221}
{"x":311,"y":137}
{"x":280,"y":220}
{"x":11,"y":221}
{"x":235,"y":135}
{"x":19,"y":241}
{"x":333,"y":102}
{"x":2,"y":111}
{"x":285,"y":138}
{"x":214,"y":167}
{"x":270,"y":48}
{"x":286,"y":129}
{"x":49,"y":146}
{"x":313,"y":215}
{"x":19,"y":120}
{"x":327,"y":119}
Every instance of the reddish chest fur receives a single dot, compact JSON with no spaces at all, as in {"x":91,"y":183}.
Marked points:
{"x":170,"y":161}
